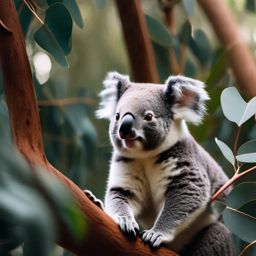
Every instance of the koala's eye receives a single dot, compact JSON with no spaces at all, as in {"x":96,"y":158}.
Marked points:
{"x":148,"y":117}
{"x":117,"y":116}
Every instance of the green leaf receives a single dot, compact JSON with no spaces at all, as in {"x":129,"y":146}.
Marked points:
{"x":100,"y":3}
{"x":185,"y":32}
{"x":59,"y":22}
{"x":250,"y":5}
{"x":218,"y":69}
{"x":241,"y":224}
{"x":25,"y":17}
{"x":47,"y":41}
{"x":241,"y":194}
{"x":226,"y":151}
{"x":162,"y":61}
{"x":200,"y":46}
{"x":73,"y":9}
{"x":55,"y":35}
{"x":248,"y":147}
{"x":247,"y":152}
{"x":247,"y":158}
{"x":158,"y":32}
{"x":189,"y":7}
{"x":235,"y":108}
{"x":217,"y":207}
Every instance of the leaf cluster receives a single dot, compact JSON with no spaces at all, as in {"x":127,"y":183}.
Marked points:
{"x":240,"y":209}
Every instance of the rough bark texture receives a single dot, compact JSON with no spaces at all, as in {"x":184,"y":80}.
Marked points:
{"x":103,"y":236}
{"x":240,"y":58}
{"x":138,"y":44}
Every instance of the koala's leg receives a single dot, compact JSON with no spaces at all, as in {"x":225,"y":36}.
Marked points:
{"x":214,"y":240}
{"x":93,"y":198}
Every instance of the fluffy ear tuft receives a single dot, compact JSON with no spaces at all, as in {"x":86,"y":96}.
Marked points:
{"x":189,"y":98}
{"x":114,"y":85}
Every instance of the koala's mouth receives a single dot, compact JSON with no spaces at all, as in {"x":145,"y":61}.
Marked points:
{"x":129,"y":143}
{"x":132,"y":142}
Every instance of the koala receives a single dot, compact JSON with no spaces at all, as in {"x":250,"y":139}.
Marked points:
{"x":160,"y":179}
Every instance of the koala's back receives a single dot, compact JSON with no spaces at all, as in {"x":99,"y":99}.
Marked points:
{"x":188,"y":152}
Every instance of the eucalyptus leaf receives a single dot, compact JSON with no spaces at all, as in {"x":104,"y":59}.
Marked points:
{"x":189,"y":7}
{"x":248,"y":147}
{"x":247,"y":158}
{"x":249,"y":208}
{"x":247,"y":152}
{"x":185,"y":32}
{"x":226,"y":151}
{"x":250,"y":5}
{"x":200,"y":46}
{"x":59,"y":23}
{"x":242,"y":224}
{"x":73,"y":9}
{"x":235,"y":108}
{"x":162,"y":61}
{"x":48,"y":42}
{"x":55,"y":34}
{"x":241,"y":194}
{"x":158,"y":32}
{"x":218,"y":69}
{"x":25,"y":17}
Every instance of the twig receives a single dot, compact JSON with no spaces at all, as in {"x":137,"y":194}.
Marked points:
{"x":236,"y":176}
{"x":247,"y":247}
{"x":170,"y":21}
{"x":236,"y":145}
{"x":30,"y":7}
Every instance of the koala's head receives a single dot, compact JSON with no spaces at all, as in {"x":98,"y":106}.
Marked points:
{"x":146,"y":117}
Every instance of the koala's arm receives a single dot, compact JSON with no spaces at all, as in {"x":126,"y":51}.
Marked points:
{"x":118,"y":203}
{"x":186,"y":197}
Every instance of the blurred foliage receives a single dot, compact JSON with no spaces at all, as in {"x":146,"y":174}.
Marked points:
{"x":86,"y":36}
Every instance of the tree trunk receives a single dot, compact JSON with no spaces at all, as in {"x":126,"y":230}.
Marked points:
{"x":240,"y":58}
{"x":139,"y":47}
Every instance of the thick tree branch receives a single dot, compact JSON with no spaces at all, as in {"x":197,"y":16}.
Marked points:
{"x":240,"y":58}
{"x":103,"y":237}
{"x":140,"y":51}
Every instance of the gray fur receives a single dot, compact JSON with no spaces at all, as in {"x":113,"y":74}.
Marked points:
{"x":160,"y":178}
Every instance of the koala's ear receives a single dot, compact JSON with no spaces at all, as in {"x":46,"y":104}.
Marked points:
{"x":115,"y":85}
{"x":189,"y":98}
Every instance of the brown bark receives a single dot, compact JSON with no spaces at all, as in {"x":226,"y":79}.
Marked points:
{"x":138,"y":44}
{"x":240,"y":58}
{"x":103,"y":237}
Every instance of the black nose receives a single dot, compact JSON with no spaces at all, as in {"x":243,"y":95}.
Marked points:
{"x":126,"y":130}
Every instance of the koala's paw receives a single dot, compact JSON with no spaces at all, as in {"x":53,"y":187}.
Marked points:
{"x":94,"y":199}
{"x":155,"y":238}
{"x":128,"y":225}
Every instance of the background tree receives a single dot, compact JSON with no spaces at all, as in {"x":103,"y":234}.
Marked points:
{"x":182,"y":42}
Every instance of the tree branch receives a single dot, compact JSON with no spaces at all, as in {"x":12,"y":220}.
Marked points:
{"x":240,"y":59}
{"x":103,"y":236}
{"x":140,"y":51}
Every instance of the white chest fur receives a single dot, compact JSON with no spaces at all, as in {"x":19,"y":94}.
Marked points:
{"x":148,"y":181}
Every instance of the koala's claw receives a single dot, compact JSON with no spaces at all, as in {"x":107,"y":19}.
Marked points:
{"x":153,"y":238}
{"x":128,"y":225}
{"x":94,"y":199}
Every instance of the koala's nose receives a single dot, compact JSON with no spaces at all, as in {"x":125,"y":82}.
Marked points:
{"x":126,"y":130}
